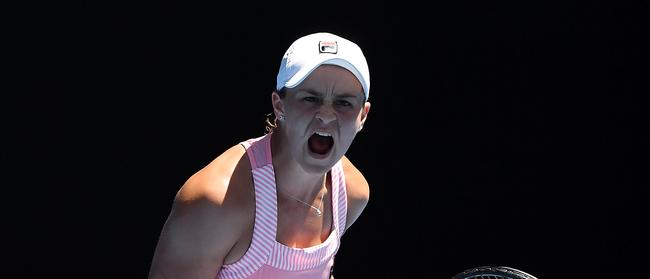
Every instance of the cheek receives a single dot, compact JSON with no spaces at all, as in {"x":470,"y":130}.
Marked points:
{"x":350,"y":123}
{"x":349,"y":114}
{"x":304,"y":112}
{"x":353,"y":118}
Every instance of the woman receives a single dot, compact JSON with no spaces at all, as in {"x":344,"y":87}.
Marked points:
{"x":276,"y":206}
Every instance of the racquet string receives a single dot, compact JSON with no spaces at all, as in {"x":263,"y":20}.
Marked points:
{"x":488,"y":276}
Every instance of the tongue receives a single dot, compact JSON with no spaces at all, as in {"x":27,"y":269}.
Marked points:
{"x":320,"y":144}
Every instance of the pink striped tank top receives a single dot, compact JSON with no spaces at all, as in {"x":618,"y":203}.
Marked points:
{"x":268,"y":258}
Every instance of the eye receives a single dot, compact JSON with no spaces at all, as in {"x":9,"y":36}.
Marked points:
{"x":310,"y":99}
{"x":343,"y":103}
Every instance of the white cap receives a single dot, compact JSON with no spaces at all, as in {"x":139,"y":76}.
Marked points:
{"x":311,"y":51}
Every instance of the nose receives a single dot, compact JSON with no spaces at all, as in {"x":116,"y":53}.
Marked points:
{"x":326,"y":114}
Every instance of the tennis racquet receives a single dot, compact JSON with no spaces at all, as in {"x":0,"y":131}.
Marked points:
{"x":493,"y":272}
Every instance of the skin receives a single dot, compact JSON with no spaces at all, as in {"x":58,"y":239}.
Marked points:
{"x":212,"y":218}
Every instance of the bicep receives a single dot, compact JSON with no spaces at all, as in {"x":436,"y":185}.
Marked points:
{"x":356,"y":205}
{"x":357,"y":191}
{"x":192,"y":243}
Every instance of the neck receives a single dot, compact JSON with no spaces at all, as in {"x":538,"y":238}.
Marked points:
{"x":290,"y":177}
{"x":299,"y":185}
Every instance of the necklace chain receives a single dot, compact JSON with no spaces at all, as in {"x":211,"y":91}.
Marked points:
{"x":319,"y":209}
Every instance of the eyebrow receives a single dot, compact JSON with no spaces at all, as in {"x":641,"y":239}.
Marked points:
{"x":342,"y":95}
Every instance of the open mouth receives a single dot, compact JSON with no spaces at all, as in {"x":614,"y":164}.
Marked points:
{"x":320,"y":143}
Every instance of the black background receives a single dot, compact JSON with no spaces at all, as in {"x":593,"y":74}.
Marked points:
{"x":500,"y":134}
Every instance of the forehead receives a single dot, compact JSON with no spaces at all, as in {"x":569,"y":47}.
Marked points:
{"x":332,"y":79}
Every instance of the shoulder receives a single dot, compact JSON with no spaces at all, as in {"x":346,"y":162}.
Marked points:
{"x":215,"y":181}
{"x":357,"y":189}
{"x":221,"y":189}
{"x":211,"y":211}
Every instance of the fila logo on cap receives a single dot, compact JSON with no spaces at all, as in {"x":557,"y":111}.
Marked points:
{"x":327,"y":47}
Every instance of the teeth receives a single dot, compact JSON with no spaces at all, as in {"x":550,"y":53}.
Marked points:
{"x":323,"y":134}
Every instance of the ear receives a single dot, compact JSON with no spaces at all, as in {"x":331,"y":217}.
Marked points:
{"x":278,"y":105}
{"x":364,"y":115}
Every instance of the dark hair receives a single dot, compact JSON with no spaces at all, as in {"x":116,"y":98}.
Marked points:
{"x":271,"y":121}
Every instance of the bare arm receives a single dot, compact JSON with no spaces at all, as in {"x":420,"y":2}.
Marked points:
{"x":358,"y":191}
{"x":205,"y":222}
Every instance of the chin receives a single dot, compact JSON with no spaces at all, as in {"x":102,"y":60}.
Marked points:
{"x":315,"y":162}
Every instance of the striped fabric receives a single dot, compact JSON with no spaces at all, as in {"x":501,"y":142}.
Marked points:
{"x":266,"y":257}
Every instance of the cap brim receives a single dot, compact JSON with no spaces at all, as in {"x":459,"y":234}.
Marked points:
{"x":296,"y":79}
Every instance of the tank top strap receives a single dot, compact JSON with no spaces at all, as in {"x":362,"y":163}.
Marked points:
{"x":264,"y":229}
{"x":339,"y":198}
{"x":258,"y":150}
